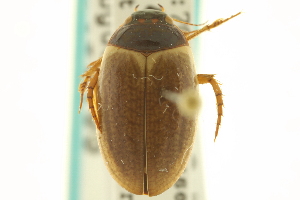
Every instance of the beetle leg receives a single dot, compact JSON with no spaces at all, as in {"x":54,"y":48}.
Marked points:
{"x":81,"y":89}
{"x":94,"y":67}
{"x":190,"y":35}
{"x":90,"y":98}
{"x":89,"y":83}
{"x":209,"y":78}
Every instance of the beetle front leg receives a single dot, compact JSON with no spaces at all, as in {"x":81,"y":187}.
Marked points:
{"x":90,"y":98}
{"x":81,"y":89}
{"x":87,"y":77}
{"x":89,"y":83}
{"x":209,"y":78}
{"x":190,"y":35}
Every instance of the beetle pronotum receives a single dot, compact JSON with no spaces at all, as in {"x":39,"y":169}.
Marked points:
{"x":143,"y":97}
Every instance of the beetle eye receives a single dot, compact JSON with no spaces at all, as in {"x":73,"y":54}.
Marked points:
{"x":128,"y":20}
{"x":169,"y":20}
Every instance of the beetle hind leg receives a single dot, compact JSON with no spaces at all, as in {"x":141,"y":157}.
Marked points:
{"x":209,"y":78}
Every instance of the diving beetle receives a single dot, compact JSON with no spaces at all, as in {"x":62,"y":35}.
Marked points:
{"x":143,"y":97}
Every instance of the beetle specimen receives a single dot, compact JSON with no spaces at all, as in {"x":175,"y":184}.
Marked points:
{"x":143,"y":97}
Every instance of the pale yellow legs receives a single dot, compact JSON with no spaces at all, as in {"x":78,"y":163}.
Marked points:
{"x":192,"y":34}
{"x":90,"y":81}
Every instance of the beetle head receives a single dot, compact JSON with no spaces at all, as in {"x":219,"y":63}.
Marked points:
{"x":149,"y":16}
{"x":148,"y":31}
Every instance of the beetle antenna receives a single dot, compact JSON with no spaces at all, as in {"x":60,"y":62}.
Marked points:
{"x":161,"y":7}
{"x":136,"y":8}
{"x":189,"y":23}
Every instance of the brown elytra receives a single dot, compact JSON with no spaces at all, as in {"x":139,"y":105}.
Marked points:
{"x":142,"y":119}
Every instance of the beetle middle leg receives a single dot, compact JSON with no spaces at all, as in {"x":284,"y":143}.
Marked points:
{"x":209,"y":78}
{"x":89,"y":83}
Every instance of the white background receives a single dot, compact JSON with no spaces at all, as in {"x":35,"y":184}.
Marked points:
{"x":256,"y":57}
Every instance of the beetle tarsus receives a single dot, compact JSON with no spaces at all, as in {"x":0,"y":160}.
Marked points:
{"x":190,"y":35}
{"x":81,"y":89}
